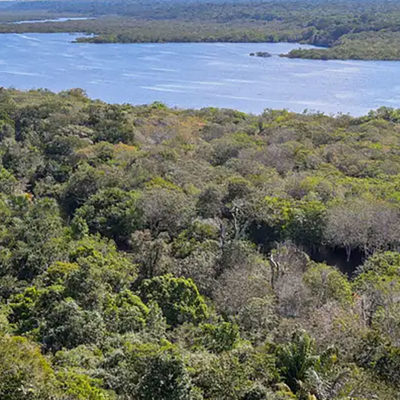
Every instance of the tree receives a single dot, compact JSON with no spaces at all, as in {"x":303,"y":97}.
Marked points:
{"x":301,"y":368}
{"x":296,"y":359}
{"x":125,"y":312}
{"x":38,"y":238}
{"x":165,"y":377}
{"x":68,"y":326}
{"x":25,"y":374}
{"x":328,"y":284}
{"x":220,"y":337}
{"x":178,"y":298}
{"x":307,"y":223}
{"x":75,"y":386}
{"x":360,"y":224}
{"x":166,"y":210}
{"x":112,"y":213}
{"x":209,"y":203}
{"x":99,"y":268}
{"x":82,"y":184}
{"x":378,"y":283}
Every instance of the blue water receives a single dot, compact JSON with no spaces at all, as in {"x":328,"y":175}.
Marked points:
{"x":197,"y":75}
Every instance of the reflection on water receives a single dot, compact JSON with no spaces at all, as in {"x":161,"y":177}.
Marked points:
{"x":198,"y":74}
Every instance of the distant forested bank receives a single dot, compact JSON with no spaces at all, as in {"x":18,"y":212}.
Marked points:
{"x":154,"y":253}
{"x":351,"y":29}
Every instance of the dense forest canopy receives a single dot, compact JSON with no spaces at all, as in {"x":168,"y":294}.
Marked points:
{"x":155,"y":253}
{"x":353,"y":29}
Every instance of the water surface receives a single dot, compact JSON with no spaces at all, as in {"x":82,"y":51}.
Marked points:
{"x":42,"y":21}
{"x":197,"y":74}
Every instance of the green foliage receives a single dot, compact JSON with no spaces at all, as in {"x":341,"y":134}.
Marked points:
{"x":369,"y":45}
{"x":327,"y":284}
{"x":101,"y":269}
{"x":226,"y":377}
{"x":174,"y":260}
{"x":210,"y":202}
{"x":148,"y":371}
{"x":125,"y":312}
{"x":300,"y":221}
{"x":165,"y":377}
{"x":112,"y":213}
{"x":178,"y":298}
{"x":67,"y":325}
{"x":35,"y":248}
{"x":306,"y":226}
{"x":82,"y":184}
{"x":28,"y":308}
{"x":220,"y":337}
{"x":383,"y":358}
{"x":80,"y":387}
{"x":296,"y":359}
{"x":380,"y":265}
{"x":8,"y":183}
{"x":299,"y":364}
{"x":24,"y":373}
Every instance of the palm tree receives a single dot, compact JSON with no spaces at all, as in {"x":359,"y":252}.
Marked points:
{"x":296,"y":360}
{"x":307,"y":374}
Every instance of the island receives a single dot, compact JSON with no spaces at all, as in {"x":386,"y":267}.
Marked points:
{"x":263,"y":54}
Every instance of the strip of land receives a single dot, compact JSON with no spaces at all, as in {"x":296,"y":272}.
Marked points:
{"x":345,"y":30}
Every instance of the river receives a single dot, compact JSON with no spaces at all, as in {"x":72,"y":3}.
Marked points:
{"x":195,"y":75}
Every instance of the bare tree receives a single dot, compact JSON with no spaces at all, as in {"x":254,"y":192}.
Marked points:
{"x":360,"y":224}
